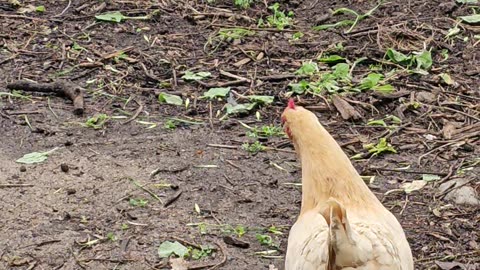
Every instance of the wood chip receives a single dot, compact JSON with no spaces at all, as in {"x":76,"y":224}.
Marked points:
{"x":448,"y":130}
{"x":242,"y":62}
{"x":346,"y":110}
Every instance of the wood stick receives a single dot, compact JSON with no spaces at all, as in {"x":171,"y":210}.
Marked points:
{"x":61,"y":88}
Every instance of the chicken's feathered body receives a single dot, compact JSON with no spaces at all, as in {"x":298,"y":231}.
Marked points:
{"x":342,"y":225}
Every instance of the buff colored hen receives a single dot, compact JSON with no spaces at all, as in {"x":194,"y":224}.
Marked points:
{"x":342,"y":225}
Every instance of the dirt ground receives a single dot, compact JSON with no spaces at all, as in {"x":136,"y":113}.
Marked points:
{"x":95,"y":203}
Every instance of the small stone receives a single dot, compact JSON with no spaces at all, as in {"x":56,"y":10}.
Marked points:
{"x":235,"y":242}
{"x":64,"y":167}
{"x":464,"y":194}
{"x":23,"y":168}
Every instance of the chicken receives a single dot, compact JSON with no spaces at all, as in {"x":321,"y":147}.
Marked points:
{"x":342,"y":225}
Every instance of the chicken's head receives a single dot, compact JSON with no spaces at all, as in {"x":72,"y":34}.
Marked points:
{"x":297,"y":120}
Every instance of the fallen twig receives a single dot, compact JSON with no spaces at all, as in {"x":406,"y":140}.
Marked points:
{"x":173,"y":199}
{"x":407,"y":171}
{"x":15,"y":185}
{"x":146,"y":190}
{"x":61,"y":88}
{"x":137,"y":113}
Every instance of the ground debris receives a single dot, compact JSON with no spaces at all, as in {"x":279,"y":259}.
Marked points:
{"x":346,"y":110}
{"x":61,"y":88}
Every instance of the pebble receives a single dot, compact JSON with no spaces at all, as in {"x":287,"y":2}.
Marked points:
{"x":64,"y":167}
{"x":462,"y":195}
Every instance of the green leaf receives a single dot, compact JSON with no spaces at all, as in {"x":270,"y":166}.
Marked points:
{"x":265,"y":100}
{"x":239,"y":108}
{"x":35,"y":157}
{"x":377,"y":123}
{"x":394,"y":119}
{"x":424,"y":60}
{"x":381,"y":147}
{"x":467,"y":1}
{"x":370,"y":81}
{"x":447,"y":79}
{"x":168,"y":248}
{"x":308,"y":68}
{"x":471,"y":18}
{"x":216,"y":92}
{"x":190,"y":76}
{"x":430,"y":177}
{"x":397,"y":57}
{"x":170,"y":99}
{"x":452,"y":32}
{"x":97,"y":121}
{"x":300,"y":87}
{"x":331,"y":59}
{"x":264,"y":239}
{"x":334,"y":25}
{"x":40,"y":9}
{"x":386,"y":89}
{"x":115,"y":16}
{"x":341,"y":71}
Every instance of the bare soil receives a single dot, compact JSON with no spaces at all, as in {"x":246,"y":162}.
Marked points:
{"x":76,"y":210}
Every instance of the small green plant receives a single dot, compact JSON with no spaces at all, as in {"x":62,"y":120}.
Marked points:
{"x":16,"y":94}
{"x":331,"y":81}
{"x":421,"y":61}
{"x":265,"y":131}
{"x":265,"y":240}
{"x":111,"y":236}
{"x":275,"y":230}
{"x":227,"y":35}
{"x":297,"y":36}
{"x":351,"y":23}
{"x":120,"y":57}
{"x":381,"y":147}
{"x":204,"y":252}
{"x":307,"y":68}
{"x":97,"y":121}
{"x":170,"y":124}
{"x":40,"y":9}
{"x":373,"y":82}
{"x":278,"y":19}
{"x":253,"y":147}
{"x":243,"y":3}
{"x":239,"y":230}
{"x":124,"y":227}
{"x":230,"y":34}
{"x":391,"y":121}
{"x":138,"y":202}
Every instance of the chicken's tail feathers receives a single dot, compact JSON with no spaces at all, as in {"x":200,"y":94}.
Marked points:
{"x":336,"y":217}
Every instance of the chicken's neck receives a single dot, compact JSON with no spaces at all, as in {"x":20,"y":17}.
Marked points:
{"x":327,"y":172}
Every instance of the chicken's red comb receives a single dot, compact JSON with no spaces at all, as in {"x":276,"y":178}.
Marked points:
{"x":291,"y":104}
